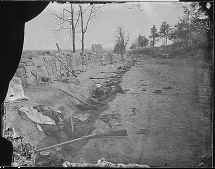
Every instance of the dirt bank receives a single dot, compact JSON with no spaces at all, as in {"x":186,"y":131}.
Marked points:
{"x":175,"y":120}
{"x":50,"y":95}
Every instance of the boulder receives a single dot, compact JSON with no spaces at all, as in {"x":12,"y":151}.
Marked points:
{"x":21,"y":65}
{"x":30,"y":68}
{"x":20,"y":72}
{"x":30,"y":80}
{"x":51,"y":63}
{"x":56,"y":76}
{"x":58,"y":65}
{"x":24,"y":59}
{"x":54,"y":69}
{"x":29,"y":74}
{"x":23,"y":81}
{"x":46,"y":64}
{"x":47,"y":58}
{"x":58,"y":73}
{"x":29,"y":64}
{"x":42,"y":71}
{"x":49,"y":70}
{"x":15,"y":90}
{"x":38,"y":61}
{"x":30,"y":55}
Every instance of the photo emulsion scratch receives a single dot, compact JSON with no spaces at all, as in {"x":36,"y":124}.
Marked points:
{"x":112,"y":85}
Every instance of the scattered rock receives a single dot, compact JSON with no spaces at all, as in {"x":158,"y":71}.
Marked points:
{"x":117,"y":123}
{"x":81,"y":117}
{"x":126,"y":90}
{"x":44,"y":153}
{"x":39,"y":128}
{"x":105,"y":118}
{"x":168,"y":87}
{"x":143,"y":131}
{"x":146,"y":84}
{"x":133,"y":112}
{"x":93,"y":101}
{"x":119,"y":68}
{"x":157,"y":91}
{"x":119,"y":89}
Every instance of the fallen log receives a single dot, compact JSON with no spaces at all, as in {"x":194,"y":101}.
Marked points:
{"x":79,"y":100}
{"x":111,"y":134}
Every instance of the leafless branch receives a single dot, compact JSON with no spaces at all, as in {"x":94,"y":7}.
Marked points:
{"x":61,"y":18}
{"x":85,"y":9}
{"x":66,"y":10}
{"x":77,"y":21}
{"x":91,"y":11}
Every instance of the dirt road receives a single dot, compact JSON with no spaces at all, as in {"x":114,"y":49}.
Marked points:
{"x":175,"y":119}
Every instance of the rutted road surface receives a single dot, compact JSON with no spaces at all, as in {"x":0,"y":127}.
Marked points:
{"x":169,"y":127}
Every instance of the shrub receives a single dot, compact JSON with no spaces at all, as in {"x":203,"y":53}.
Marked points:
{"x":147,"y":51}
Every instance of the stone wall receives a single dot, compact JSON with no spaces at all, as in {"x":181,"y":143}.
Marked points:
{"x":32,"y":67}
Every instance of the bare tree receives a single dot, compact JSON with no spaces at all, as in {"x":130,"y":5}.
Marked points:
{"x":66,"y":21}
{"x":93,"y":11}
{"x":121,"y":41}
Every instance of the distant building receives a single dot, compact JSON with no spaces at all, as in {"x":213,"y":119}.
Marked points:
{"x":96,"y":47}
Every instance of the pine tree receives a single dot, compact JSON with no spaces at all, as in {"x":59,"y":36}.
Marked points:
{"x":154,"y":35}
{"x":164,"y":32}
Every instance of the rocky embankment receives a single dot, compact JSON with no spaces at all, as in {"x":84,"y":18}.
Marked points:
{"x":95,"y":86}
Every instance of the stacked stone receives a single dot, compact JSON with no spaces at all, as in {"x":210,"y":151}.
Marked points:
{"x":72,"y":60}
{"x":69,"y":61}
{"x":49,"y":63}
{"x":26,"y":71}
{"x":21,"y":74}
{"x":32,"y":68}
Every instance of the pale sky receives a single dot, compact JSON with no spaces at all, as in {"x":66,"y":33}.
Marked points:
{"x":39,"y":34}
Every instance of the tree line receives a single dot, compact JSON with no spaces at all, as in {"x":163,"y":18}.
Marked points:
{"x":193,"y":20}
{"x":79,"y":16}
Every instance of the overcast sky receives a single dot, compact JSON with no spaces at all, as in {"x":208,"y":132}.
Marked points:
{"x":39,"y":34}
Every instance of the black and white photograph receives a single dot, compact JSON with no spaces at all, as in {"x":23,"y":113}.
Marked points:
{"x":107,"y":84}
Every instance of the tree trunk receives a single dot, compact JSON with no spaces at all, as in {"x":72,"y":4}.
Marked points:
{"x":82,"y":29}
{"x":166,"y":44}
{"x":153,"y":44}
{"x":73,"y":29}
